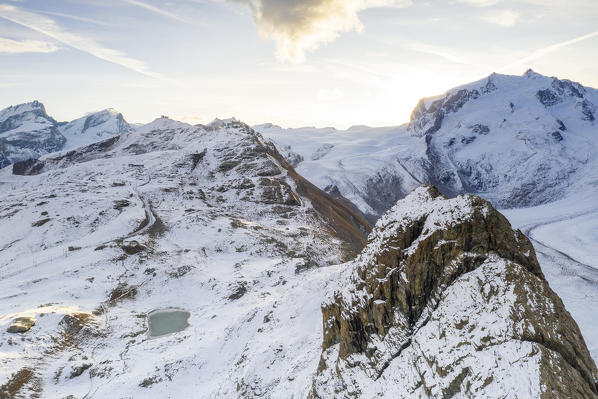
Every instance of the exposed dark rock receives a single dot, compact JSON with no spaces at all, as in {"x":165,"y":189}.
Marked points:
{"x":197,"y":158}
{"x":239,"y":290}
{"x":41,"y":222}
{"x":588,"y":110}
{"x":561,"y":125}
{"x":480,"y":129}
{"x":77,"y":371}
{"x":21,"y":325}
{"x":28,"y":167}
{"x":568,"y":88}
{"x":556,"y":136}
{"x":548,"y":97}
{"x":132,"y":247}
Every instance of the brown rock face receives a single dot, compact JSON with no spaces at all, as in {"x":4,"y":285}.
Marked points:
{"x":21,"y":325}
{"x":415,"y":276}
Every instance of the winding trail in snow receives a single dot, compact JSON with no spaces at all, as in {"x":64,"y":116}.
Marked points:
{"x":49,"y":255}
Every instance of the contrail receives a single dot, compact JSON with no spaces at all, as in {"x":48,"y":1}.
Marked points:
{"x":549,"y":49}
{"x":156,"y":10}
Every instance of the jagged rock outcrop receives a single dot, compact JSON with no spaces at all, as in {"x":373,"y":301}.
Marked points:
{"x":446,"y":298}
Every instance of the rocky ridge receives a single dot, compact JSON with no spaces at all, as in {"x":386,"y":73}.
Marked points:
{"x":446,"y":298}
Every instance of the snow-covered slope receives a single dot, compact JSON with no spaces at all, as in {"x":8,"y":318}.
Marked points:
{"x":213,"y":221}
{"x":209,"y":219}
{"x":26,"y":131}
{"x":515,"y":140}
{"x":94,"y":127}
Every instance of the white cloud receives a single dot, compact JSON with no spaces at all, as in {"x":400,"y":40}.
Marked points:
{"x":504,"y":18}
{"x":298,"y":26}
{"x":26,"y":46}
{"x":49,"y":28}
{"x":477,"y":3}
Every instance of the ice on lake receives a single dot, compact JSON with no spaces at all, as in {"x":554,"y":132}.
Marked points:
{"x":167,"y":321}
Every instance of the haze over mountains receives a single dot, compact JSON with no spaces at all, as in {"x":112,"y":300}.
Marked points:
{"x":290,"y":291}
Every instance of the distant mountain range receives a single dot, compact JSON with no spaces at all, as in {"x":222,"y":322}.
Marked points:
{"x":515,"y":140}
{"x":27,"y":131}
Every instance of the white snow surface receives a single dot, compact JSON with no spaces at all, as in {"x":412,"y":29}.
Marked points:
{"x":227,"y":258}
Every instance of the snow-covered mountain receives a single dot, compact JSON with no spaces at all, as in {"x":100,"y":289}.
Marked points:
{"x":515,"y":140}
{"x":208,"y":219}
{"x":94,"y":127}
{"x":173,"y":260}
{"x":212,"y":223}
{"x":28,"y":132}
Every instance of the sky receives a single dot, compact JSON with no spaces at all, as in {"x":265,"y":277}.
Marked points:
{"x":290,"y":62}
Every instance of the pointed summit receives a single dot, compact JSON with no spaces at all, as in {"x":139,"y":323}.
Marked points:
{"x":447,"y":298}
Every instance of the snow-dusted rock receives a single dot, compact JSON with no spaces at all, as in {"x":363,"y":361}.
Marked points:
{"x":447,"y":300}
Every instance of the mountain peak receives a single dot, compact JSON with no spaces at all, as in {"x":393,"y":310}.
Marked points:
{"x":32,"y":106}
{"x":216,"y":123}
{"x":531,"y":74}
{"x":445,"y":295}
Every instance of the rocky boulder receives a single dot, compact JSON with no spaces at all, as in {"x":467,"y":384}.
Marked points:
{"x":21,"y":325}
{"x":445,"y":299}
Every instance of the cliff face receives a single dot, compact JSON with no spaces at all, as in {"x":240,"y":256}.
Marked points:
{"x":446,"y":299}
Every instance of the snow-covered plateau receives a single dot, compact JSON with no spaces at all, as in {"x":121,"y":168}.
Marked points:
{"x":285,"y":288}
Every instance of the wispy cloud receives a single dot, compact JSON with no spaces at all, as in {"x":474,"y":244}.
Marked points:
{"x":74,"y":17}
{"x":505,"y":18}
{"x":156,"y":10}
{"x":49,"y":28}
{"x":549,"y":49}
{"x":476,"y":3}
{"x":434,"y":50}
{"x":298,"y":26}
{"x":26,"y":46}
